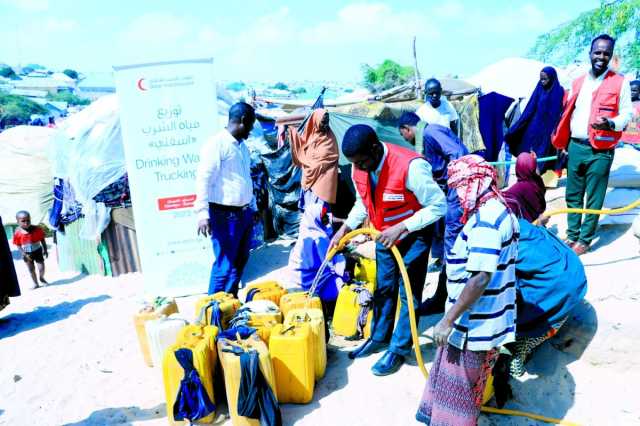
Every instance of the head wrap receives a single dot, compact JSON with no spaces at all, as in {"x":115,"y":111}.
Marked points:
{"x":475,"y":181}
{"x":526,"y":197}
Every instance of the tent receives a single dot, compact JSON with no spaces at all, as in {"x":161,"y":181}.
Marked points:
{"x":512,"y":77}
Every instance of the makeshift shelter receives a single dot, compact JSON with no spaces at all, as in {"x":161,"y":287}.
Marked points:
{"x":25,"y":172}
{"x":512,"y":77}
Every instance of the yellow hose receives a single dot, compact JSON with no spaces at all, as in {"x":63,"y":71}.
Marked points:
{"x":405,"y":279}
{"x":414,"y":327}
{"x":592,"y":211}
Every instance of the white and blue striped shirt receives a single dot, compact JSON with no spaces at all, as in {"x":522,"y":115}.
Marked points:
{"x":487,"y":243}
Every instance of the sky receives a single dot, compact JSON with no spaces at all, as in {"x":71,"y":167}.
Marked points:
{"x":277,"y":40}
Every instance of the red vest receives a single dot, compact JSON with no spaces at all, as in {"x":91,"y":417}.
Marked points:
{"x":604,"y":103}
{"x":392,"y":202}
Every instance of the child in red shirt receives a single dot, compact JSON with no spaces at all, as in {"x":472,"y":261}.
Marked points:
{"x":30,"y":241}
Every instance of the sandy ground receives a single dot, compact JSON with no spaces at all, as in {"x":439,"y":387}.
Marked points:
{"x":69,"y":355}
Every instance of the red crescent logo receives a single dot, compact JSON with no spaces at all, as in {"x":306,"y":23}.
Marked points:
{"x":140,"y":86}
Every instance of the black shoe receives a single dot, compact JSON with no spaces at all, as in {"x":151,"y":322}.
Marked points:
{"x":367,"y":348}
{"x":431,"y":306}
{"x":388,"y":364}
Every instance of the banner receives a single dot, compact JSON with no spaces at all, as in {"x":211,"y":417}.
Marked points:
{"x":167,"y":110}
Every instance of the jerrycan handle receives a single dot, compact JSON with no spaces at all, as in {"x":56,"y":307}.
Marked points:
{"x":288,"y":329}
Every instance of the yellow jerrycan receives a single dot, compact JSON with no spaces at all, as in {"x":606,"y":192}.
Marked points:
{"x":365,"y":270}
{"x":158,"y":308}
{"x":267,"y":290}
{"x":230,"y":363}
{"x":228,"y":307}
{"x":298,"y":300}
{"x":347,"y":310}
{"x":488,"y":390}
{"x":291,"y":350}
{"x":315,"y":318}
{"x":263,"y":328}
{"x":201,"y":341}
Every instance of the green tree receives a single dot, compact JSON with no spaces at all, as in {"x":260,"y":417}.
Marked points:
{"x":280,"y":86}
{"x":16,"y":110}
{"x":71,"y":73}
{"x":7,"y":72}
{"x":386,"y":75}
{"x":69,"y":98}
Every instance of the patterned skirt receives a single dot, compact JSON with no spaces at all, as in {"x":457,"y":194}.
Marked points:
{"x":524,"y":347}
{"x":453,"y":394}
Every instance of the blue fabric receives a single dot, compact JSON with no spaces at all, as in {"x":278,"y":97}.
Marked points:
{"x":311,"y":249}
{"x":493,"y":106}
{"x":231,"y":333}
{"x":192,"y":402}
{"x":216,"y":314}
{"x":550,"y":280}
{"x":415,"y":254}
{"x":532,"y":131}
{"x":230,"y":238}
{"x":250,"y":294}
{"x":255,"y":397}
{"x":441,"y":146}
{"x":56,"y":208}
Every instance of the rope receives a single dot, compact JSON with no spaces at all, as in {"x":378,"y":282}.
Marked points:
{"x":414,"y":329}
{"x":538,"y":160}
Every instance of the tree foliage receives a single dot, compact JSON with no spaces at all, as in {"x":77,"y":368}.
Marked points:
{"x":386,"y":75}
{"x":280,"y":86}
{"x":71,"y":73}
{"x":572,"y":40}
{"x":7,"y":72}
{"x":16,"y":110}
{"x":69,"y":98}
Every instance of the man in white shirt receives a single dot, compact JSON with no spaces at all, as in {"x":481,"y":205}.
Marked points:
{"x":437,"y":110}
{"x":396,"y":190}
{"x":224,"y":192}
{"x":598,"y":110}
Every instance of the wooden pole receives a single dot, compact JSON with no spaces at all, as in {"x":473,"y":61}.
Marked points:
{"x":418,"y":84}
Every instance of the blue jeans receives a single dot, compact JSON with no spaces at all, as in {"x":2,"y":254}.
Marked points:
{"x":453,"y":224}
{"x":230,"y":238}
{"x":415,"y":254}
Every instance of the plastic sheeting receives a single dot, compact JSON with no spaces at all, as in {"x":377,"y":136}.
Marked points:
{"x":387,"y":130}
{"x":25,"y":172}
{"x":88,"y":153}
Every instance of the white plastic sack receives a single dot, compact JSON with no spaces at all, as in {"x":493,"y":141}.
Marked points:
{"x":625,"y":170}
{"x":25,"y":172}
{"x":96,"y":219}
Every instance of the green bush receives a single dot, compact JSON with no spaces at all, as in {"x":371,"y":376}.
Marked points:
{"x":69,"y":98}
{"x":71,"y":73}
{"x":385,"y":76}
{"x":7,"y":72}
{"x":16,"y":110}
{"x":280,"y":86}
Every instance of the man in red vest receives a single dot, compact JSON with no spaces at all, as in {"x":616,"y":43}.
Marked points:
{"x":598,"y":109}
{"x":396,"y":190}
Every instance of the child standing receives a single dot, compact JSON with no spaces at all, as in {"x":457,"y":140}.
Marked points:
{"x":30,"y":240}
